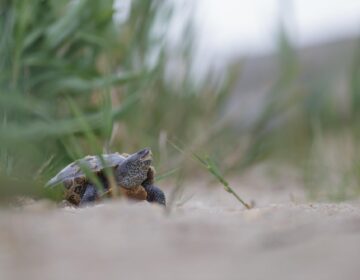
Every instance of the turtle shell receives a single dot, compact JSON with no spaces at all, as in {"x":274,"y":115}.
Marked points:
{"x":74,"y":179}
{"x":73,"y":175}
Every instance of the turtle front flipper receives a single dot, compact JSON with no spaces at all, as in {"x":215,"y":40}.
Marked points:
{"x":154,"y":194}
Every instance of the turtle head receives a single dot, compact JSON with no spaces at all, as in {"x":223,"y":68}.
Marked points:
{"x":133,"y":170}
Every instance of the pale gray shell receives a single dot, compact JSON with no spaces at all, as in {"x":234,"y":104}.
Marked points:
{"x":73,"y":174}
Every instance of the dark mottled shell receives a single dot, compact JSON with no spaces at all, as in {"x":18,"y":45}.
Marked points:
{"x":73,"y":175}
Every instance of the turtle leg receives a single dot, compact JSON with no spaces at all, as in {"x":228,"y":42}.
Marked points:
{"x":150,"y":178}
{"x":154,"y":194}
{"x":90,"y":195}
{"x":73,"y":194}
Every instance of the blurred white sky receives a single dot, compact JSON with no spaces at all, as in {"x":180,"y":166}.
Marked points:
{"x":249,"y":26}
{"x":228,"y":28}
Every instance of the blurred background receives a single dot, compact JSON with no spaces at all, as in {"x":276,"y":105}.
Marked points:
{"x":271,"y":83}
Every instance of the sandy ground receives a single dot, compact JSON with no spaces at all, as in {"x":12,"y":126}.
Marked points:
{"x":210,"y":236}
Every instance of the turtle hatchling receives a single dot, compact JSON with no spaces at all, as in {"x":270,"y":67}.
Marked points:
{"x":133,"y":174}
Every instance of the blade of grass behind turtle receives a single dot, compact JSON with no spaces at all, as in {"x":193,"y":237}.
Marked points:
{"x":43,"y":167}
{"x":214,"y":170}
{"x":107,"y":119}
{"x":96,"y":147}
{"x":107,"y":130}
{"x":166,"y":174}
{"x":4,"y":157}
{"x":86,"y":128}
{"x":175,"y":192}
{"x":182,"y":151}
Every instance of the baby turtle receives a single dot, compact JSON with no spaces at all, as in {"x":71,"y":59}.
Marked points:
{"x":133,"y":174}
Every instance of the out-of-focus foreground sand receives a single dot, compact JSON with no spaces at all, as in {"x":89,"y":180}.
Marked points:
{"x":210,"y":236}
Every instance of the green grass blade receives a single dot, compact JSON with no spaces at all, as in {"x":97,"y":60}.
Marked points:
{"x":212,"y":168}
{"x":167,"y":174}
